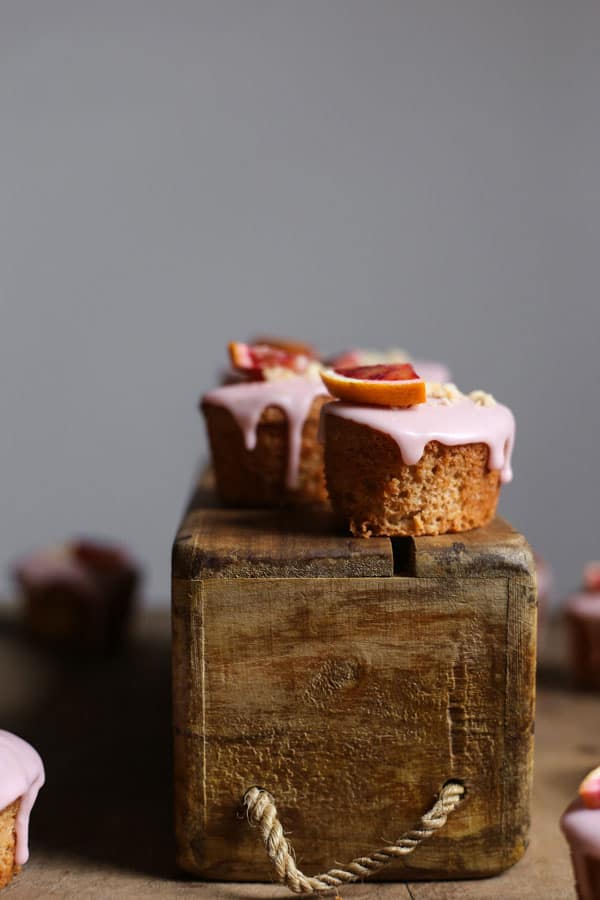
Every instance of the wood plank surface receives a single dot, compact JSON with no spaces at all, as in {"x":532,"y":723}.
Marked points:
{"x":214,"y":541}
{"x":102,"y":827}
{"x":496,"y":549}
{"x":419,"y":677}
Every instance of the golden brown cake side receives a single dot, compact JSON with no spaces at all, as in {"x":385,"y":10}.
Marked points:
{"x":8,"y":841}
{"x":449,"y":489}
{"x":257,"y":477}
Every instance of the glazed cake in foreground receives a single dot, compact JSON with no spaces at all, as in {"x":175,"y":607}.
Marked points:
{"x":21,"y":777}
{"x":263,"y":420}
{"x":581,"y":826}
{"x":426,"y":469}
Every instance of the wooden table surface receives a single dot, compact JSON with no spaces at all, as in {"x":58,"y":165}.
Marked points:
{"x":102,"y":827}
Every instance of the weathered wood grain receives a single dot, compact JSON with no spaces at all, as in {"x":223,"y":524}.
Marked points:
{"x":496,"y":549}
{"x":353,"y":700}
{"x":304,"y":662}
{"x":214,"y":541}
{"x":124,"y":851}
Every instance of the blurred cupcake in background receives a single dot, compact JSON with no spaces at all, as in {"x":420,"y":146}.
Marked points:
{"x":79,"y":594}
{"x":582,"y":620}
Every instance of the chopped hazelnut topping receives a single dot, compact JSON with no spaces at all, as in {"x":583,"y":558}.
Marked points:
{"x":277,"y":373}
{"x":446,"y":393}
{"x":481,"y":398}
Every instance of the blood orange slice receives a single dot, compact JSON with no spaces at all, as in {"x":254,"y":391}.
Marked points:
{"x":589,"y":789}
{"x":253,"y":359}
{"x":395,"y":384}
{"x":287,"y":344}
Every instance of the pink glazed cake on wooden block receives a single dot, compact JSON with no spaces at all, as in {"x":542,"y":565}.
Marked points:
{"x":262,"y":428}
{"x":432,"y":467}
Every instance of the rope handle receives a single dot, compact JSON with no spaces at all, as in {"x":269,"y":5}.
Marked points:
{"x":262,"y":813}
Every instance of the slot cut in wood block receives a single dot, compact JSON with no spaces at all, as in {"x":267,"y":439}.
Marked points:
{"x":351,"y":678}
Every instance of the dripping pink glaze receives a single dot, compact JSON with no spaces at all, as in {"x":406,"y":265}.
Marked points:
{"x":21,"y":777}
{"x":463,"y":422}
{"x":581,"y":828}
{"x":248,"y":400}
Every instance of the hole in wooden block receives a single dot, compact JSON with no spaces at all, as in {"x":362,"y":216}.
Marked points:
{"x":403,"y":551}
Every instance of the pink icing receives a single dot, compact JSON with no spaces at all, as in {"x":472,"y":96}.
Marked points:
{"x":462,"y":422}
{"x":248,"y":400}
{"x":53,"y":564}
{"x":21,"y":777}
{"x":581,"y":828}
{"x":431,"y":371}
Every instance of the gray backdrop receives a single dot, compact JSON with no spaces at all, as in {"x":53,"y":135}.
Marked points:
{"x":176,"y":174}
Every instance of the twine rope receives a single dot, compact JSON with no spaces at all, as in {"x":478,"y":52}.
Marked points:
{"x":262,"y":813}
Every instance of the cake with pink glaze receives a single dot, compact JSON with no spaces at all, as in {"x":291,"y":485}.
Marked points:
{"x":21,"y":777}
{"x":430,"y":468}
{"x":580,"y":824}
{"x":582,"y":619}
{"x":80,"y":593}
{"x":263,"y":428}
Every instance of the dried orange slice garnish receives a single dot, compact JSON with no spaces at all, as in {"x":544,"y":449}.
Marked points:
{"x":395,"y":385}
{"x":589,"y":789}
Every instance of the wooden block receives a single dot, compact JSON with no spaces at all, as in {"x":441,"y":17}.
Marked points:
{"x":216,"y":541}
{"x":303,"y":662}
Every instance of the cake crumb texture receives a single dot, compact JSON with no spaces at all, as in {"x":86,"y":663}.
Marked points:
{"x":450,"y":489}
{"x":8,"y":840}
{"x":257,"y":477}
